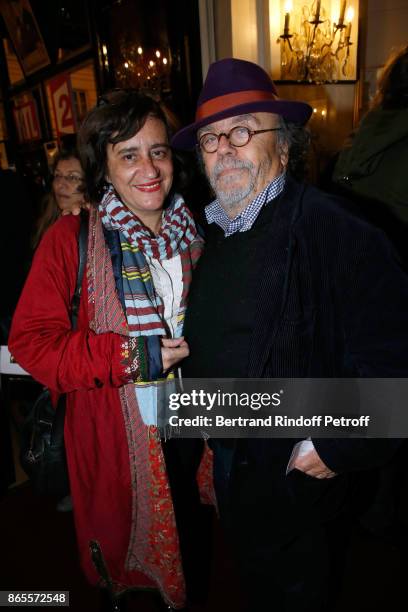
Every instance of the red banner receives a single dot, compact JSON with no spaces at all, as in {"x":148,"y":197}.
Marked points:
{"x":62,"y":105}
{"x":26,"y":118}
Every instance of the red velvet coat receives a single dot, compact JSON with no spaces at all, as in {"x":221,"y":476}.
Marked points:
{"x":90,"y":368}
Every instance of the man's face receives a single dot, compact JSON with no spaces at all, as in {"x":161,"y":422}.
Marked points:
{"x":239,"y":174}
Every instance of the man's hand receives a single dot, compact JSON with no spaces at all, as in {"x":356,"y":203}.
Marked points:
{"x":312,"y":465}
{"x":173,"y":350}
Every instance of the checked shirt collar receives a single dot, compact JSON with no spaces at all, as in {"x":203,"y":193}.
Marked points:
{"x":244,"y":221}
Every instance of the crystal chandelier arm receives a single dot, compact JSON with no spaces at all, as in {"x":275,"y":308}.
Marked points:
{"x":346,"y":60}
{"x":309,"y":49}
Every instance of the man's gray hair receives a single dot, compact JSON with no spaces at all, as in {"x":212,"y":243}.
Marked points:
{"x":294,"y":140}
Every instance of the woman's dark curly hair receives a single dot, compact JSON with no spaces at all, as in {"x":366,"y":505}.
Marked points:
{"x":118,"y":116}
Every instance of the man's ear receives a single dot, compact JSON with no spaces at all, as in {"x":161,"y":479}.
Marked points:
{"x":284,"y":155}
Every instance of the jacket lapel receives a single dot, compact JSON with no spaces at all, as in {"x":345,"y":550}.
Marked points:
{"x":274,"y":278}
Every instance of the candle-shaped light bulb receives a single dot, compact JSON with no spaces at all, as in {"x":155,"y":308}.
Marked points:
{"x":349,"y":14}
{"x":349,"y":19}
{"x":317,"y":14}
{"x":342,"y":12}
{"x":287,"y":7}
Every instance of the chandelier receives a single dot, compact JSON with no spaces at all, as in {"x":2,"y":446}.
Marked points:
{"x":314,"y":46}
{"x":141,"y":68}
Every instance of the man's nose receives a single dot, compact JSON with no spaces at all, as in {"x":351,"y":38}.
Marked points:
{"x":224,"y":146}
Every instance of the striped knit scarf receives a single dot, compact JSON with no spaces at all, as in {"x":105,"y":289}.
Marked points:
{"x":144,"y":307}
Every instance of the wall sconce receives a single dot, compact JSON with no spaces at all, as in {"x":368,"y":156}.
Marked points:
{"x":316,"y":47}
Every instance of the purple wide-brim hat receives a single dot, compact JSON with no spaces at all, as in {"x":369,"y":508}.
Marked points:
{"x":237,"y":87}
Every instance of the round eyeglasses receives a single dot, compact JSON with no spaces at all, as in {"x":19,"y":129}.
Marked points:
{"x":73,"y":179}
{"x":239,"y":136}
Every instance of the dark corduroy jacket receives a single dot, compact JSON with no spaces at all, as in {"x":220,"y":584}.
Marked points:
{"x":332,"y":302}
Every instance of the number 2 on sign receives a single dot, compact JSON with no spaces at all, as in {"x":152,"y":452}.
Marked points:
{"x":64,"y":104}
{"x":63,"y":108}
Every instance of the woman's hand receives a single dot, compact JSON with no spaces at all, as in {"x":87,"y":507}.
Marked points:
{"x":75,"y":208}
{"x":173,"y":350}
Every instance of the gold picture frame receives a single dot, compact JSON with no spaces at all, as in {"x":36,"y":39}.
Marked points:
{"x":25,"y":35}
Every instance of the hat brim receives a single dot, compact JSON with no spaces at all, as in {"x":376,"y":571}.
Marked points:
{"x":298,"y":112}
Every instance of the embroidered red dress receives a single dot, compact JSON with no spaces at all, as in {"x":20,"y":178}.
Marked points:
{"x":121,"y":496}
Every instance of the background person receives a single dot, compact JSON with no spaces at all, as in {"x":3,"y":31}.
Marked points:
{"x":65,"y":197}
{"x":372,"y":171}
{"x":67,"y":192}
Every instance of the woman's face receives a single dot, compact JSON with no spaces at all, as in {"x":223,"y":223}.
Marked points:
{"x":67,"y":183}
{"x":141,"y":169}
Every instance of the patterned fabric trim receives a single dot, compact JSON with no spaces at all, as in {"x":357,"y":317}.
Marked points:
{"x":205,"y":478}
{"x":105,"y":309}
{"x":150,"y":488}
{"x":189,"y":260}
{"x":134,"y":352}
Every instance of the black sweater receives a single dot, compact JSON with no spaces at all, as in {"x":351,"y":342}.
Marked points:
{"x":223,"y":300}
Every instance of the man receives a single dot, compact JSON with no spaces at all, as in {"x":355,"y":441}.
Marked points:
{"x":290,"y":285}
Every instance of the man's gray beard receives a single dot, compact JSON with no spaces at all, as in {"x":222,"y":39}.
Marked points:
{"x":230,"y":198}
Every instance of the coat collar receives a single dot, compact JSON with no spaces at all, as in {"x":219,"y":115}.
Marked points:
{"x":275,"y":275}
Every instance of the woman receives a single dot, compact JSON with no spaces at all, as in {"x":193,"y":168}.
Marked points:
{"x":66,"y":195}
{"x":142,"y":247}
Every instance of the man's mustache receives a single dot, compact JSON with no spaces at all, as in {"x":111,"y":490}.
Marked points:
{"x":230,"y":164}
